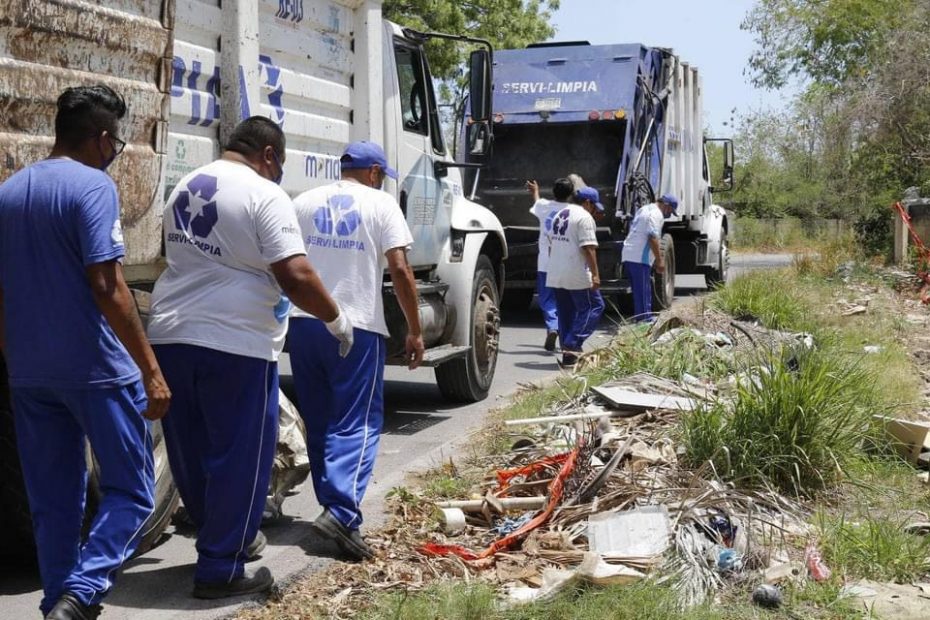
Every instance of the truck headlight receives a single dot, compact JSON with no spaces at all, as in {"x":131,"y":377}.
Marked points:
{"x":458,"y":246}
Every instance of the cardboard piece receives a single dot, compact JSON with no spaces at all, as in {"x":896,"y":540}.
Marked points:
{"x":626,"y":399}
{"x":644,"y":532}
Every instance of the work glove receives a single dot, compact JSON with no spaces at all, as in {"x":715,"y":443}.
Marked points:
{"x":341,"y":328}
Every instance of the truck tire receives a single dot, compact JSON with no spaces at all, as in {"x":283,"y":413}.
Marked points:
{"x":468,"y":379}
{"x":663,"y":284}
{"x":717,"y":276}
{"x":19,"y":546}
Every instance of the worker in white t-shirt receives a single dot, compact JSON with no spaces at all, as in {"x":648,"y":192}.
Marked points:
{"x":641,"y":248}
{"x":218,"y":324}
{"x":573,"y":272}
{"x":353,"y":231}
{"x":545,"y":211}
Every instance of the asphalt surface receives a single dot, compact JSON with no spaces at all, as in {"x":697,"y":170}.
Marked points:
{"x":421,"y":430}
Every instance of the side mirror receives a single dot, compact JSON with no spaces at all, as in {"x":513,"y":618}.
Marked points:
{"x":478,"y":141}
{"x":479,"y":86}
{"x":728,"y":162}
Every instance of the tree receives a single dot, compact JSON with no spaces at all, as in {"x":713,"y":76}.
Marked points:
{"x":505,"y":23}
{"x":828,"y":41}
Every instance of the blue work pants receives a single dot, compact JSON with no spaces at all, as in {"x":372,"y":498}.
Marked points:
{"x":221,"y":432}
{"x":640,"y":277}
{"x":547,"y":302}
{"x":51,"y":427}
{"x":579,"y":313}
{"x":342,"y":403}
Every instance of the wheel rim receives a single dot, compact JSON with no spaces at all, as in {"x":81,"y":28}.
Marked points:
{"x":487,"y":330}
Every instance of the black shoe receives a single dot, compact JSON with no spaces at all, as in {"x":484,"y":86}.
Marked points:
{"x":550,"y":341}
{"x":568,"y":360}
{"x":250,"y":583}
{"x":349,"y":541}
{"x":69,"y":607}
{"x":254,"y":550}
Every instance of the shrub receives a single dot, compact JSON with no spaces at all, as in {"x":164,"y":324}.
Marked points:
{"x":794,"y":422}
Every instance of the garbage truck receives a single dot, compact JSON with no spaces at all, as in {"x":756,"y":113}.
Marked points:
{"x":626,"y":118}
{"x":328,"y":72}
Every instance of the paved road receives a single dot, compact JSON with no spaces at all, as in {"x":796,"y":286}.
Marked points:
{"x":419,"y":431}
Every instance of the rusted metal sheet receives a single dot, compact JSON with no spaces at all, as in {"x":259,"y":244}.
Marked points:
{"x":49,"y":45}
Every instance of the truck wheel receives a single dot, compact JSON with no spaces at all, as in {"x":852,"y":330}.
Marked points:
{"x":663,"y":284}
{"x":19,"y":546}
{"x":719,"y":275}
{"x":468,"y":379}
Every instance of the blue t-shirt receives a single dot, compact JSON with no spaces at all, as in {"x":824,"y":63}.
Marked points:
{"x":57,"y":217}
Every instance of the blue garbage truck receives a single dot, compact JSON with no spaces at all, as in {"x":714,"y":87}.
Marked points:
{"x":629,"y":120}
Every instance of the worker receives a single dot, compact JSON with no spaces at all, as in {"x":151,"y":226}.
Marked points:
{"x":573,"y":272}
{"x":545,"y":211}
{"x":352,"y":231}
{"x":219,"y":319}
{"x":79,"y":364}
{"x":642,"y":248}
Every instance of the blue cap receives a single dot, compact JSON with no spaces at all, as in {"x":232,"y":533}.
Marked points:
{"x":589,"y":193}
{"x":670,"y":200}
{"x":364,"y":154}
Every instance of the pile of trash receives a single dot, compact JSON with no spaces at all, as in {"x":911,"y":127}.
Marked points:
{"x":593,"y":491}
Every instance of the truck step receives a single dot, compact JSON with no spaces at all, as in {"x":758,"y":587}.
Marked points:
{"x":435,"y":356}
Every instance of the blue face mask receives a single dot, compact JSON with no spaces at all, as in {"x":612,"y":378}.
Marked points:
{"x":280,"y":176}
{"x":106,"y":160}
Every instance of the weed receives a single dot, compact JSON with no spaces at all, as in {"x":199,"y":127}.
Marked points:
{"x":874,"y":547}
{"x":794,"y":423}
{"x":766,"y":296}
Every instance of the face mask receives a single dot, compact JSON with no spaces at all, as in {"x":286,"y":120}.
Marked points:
{"x":280,"y":175}
{"x":106,"y":161}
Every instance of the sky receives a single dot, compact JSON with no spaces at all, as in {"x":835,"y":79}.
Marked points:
{"x":705,"y":33}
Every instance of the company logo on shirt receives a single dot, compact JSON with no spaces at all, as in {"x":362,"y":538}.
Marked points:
{"x":560,"y":223}
{"x":549,"y":218}
{"x":195,"y":214}
{"x":340,"y":217}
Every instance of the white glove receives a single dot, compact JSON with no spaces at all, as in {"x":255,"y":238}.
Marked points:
{"x":341,"y":328}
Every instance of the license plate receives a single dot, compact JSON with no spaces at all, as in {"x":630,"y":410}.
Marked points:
{"x":550,"y":103}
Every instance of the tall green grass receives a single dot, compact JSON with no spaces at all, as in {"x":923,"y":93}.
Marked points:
{"x":874,"y":547}
{"x":770,"y":297}
{"x":795,"y":422}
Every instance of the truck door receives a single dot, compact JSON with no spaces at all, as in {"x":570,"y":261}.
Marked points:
{"x":426,"y":200}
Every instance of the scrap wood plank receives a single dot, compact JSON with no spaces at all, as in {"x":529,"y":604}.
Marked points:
{"x":626,"y":399}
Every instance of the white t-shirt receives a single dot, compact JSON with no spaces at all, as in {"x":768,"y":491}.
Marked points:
{"x":545,"y":211}
{"x":224,"y":226}
{"x":572,"y":229}
{"x":646,"y":223}
{"x":347,"y":228}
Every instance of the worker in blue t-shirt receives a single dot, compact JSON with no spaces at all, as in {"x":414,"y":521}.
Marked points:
{"x":79,"y":363}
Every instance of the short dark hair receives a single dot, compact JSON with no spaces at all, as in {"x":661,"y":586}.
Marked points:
{"x":562,"y":189}
{"x":85,"y":112}
{"x":252,"y":135}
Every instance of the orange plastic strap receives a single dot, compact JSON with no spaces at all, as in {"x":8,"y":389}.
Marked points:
{"x":556,"y":489}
